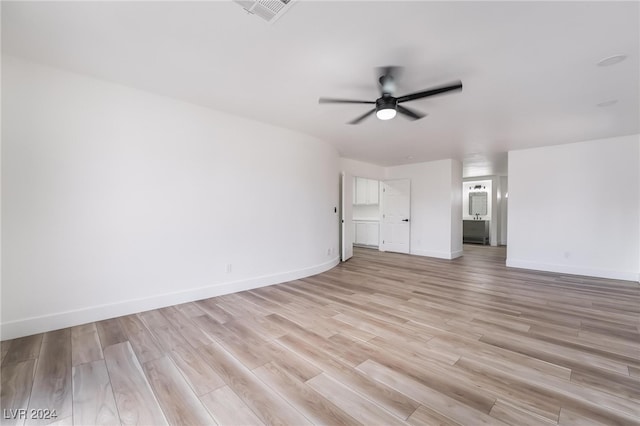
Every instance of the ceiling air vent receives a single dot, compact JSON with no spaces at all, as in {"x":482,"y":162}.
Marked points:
{"x":269,"y":10}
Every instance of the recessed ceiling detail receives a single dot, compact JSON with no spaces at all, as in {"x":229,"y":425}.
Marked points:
{"x":608,"y":103}
{"x":611,"y":60}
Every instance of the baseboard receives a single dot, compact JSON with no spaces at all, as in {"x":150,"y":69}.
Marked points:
{"x":456,"y":254}
{"x":41,"y":324}
{"x":438,"y":254}
{"x":574,"y":270}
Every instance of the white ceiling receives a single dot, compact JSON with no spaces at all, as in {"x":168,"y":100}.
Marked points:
{"x":528,"y":68}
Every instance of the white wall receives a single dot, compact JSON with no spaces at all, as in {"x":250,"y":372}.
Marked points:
{"x":456,"y":209}
{"x":116,"y":201}
{"x":503,"y":203}
{"x":494,"y":225}
{"x":362,"y":169}
{"x":436,"y":206}
{"x":574,"y":208}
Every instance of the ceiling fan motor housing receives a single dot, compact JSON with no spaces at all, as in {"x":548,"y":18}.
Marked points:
{"x":387,"y":84}
{"x":386,"y":102}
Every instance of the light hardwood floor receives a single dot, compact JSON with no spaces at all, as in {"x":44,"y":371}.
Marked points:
{"x":381,"y":339}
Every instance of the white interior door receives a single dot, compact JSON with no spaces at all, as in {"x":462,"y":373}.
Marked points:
{"x":396,"y":215}
{"x":346,"y":216}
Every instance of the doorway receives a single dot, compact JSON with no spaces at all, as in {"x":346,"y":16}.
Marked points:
{"x":484,"y":210}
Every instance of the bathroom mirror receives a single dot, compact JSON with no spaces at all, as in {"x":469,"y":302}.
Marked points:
{"x":478,"y":203}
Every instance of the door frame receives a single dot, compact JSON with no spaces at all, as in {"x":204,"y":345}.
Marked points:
{"x":346,"y":216}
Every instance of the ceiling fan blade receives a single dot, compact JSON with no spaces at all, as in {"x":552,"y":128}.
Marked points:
{"x":342,"y":101}
{"x":362,"y":117}
{"x":431,"y":92}
{"x":414,"y":115}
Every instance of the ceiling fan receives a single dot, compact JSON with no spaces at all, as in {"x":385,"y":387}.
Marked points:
{"x":387,"y":105}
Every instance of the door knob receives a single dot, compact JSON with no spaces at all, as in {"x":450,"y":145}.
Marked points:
{"x":405,"y":220}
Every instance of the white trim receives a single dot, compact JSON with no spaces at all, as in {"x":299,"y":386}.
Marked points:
{"x":449,"y":255}
{"x":456,"y":254}
{"x":40,"y":324}
{"x":574,"y":270}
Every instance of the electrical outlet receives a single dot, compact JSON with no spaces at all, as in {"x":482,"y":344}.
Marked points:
{"x":328,"y":252}
{"x":229,"y":268}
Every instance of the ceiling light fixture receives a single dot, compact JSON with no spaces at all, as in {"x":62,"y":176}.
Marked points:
{"x":386,"y":107}
{"x":611,"y":60}
{"x":386,"y":114}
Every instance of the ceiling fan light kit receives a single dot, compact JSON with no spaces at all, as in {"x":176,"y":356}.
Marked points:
{"x":387,"y":106}
{"x":386,"y":114}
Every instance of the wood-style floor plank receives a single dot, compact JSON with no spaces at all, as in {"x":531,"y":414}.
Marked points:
{"x":52,"y":385}
{"x":132,"y":324}
{"x":22,"y":349}
{"x":154,"y":319}
{"x":425,"y":416}
{"x":200,"y":376}
{"x":599,"y":405}
{"x":571,"y":418}
{"x":513,"y":415}
{"x":85,"y":344}
{"x":311,"y":404}
{"x":384,"y":338}
{"x":180,"y":404}
{"x":93,"y":400}
{"x":67,"y":421}
{"x":15,"y":389}
{"x":142,"y":341}
{"x":211,"y":327}
{"x":365,"y":411}
{"x":251,"y":355}
{"x":145,"y":346}
{"x":615,"y":384}
{"x":192,"y":334}
{"x":4,"y":348}
{"x":228,"y":409}
{"x":190,"y":310}
{"x":291,"y":362}
{"x":168,"y":337}
{"x":209,"y":307}
{"x":389,"y":399}
{"x":136,"y":402}
{"x":110,"y":332}
{"x":268,"y":406}
{"x":456,"y":411}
